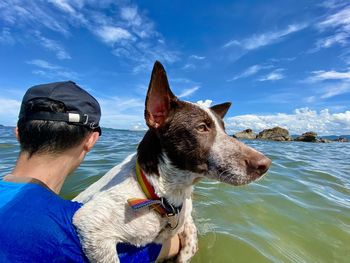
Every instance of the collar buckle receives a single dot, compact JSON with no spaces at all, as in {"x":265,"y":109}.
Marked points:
{"x":173,"y":220}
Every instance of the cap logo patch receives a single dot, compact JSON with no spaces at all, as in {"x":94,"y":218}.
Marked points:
{"x":73,"y":117}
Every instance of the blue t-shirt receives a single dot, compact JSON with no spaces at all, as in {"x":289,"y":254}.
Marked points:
{"x":36,"y":226}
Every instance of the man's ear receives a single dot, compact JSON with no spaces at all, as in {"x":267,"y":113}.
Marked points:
{"x":91,"y":141}
{"x":15,"y":130}
{"x":159,"y":98}
{"x":221,"y":109}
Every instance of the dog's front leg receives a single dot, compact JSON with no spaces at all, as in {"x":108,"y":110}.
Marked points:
{"x":189,"y":241}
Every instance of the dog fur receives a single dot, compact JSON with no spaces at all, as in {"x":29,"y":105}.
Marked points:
{"x":185,"y":142}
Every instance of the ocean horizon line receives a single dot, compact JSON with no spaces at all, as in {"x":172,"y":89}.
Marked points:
{"x":331,"y":136}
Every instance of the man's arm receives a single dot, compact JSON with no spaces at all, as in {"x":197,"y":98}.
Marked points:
{"x":170,"y":248}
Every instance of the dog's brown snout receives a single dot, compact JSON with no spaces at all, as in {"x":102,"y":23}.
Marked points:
{"x":258,"y":163}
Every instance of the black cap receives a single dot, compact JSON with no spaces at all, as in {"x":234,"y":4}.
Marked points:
{"x":82,"y":108}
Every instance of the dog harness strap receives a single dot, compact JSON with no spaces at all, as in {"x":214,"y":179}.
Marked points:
{"x":161,"y":205}
{"x":138,"y":203}
{"x":147,"y":188}
{"x":153,"y":200}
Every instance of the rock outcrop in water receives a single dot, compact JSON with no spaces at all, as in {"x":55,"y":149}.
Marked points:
{"x":341,"y":139}
{"x":281,"y":134}
{"x":247,"y":134}
{"x":307,"y":137}
{"x":274,"y":134}
{"x":324,"y":140}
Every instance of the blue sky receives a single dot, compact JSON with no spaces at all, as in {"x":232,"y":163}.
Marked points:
{"x":281,"y":63}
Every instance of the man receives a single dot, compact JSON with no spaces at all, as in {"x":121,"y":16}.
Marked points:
{"x":58,"y":125}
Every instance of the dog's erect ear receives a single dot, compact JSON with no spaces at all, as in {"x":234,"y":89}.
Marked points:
{"x":159,"y":98}
{"x":221,"y":109}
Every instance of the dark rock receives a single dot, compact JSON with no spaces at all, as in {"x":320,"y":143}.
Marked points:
{"x":324,"y":140}
{"x":307,"y":137}
{"x":274,"y":134}
{"x":341,"y":139}
{"x":246,"y":134}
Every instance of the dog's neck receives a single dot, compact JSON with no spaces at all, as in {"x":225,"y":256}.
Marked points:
{"x":168,"y":181}
{"x":148,"y":153}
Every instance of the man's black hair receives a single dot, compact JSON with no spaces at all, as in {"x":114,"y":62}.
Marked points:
{"x":41,"y":136}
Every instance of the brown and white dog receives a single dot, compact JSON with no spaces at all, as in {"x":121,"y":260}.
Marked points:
{"x":185,"y":142}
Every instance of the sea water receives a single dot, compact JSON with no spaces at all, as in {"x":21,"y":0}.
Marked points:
{"x":299,"y":212}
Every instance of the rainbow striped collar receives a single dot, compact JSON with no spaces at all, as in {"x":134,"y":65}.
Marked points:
{"x":160,"y":204}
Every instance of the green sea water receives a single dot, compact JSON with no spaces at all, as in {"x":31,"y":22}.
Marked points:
{"x":299,"y":212}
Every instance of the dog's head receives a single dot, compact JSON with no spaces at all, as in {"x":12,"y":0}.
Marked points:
{"x":193,"y":137}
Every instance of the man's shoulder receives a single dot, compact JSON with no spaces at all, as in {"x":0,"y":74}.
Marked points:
{"x":26,"y":196}
{"x":32,"y":203}
{"x":33,"y":217}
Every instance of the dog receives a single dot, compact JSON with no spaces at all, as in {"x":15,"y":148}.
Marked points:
{"x":147,"y":198}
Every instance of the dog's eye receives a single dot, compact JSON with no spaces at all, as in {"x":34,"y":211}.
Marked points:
{"x":202,"y":127}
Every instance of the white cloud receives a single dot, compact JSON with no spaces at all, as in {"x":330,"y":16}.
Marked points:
{"x":52,"y":45}
{"x":252,"y":70}
{"x":274,"y":75}
{"x":130,"y":14}
{"x":181,"y":80}
{"x":336,"y":89}
{"x":232,"y":43}
{"x":321,"y":75}
{"x":143,"y":55}
{"x":286,"y":59}
{"x":338,"y":38}
{"x":134,"y":39}
{"x":197,"y":57}
{"x":340,"y":18}
{"x":42,"y":64}
{"x":300,"y":121}
{"x":268,"y":38}
{"x":130,"y":35}
{"x":188,"y":92}
{"x":9,"y":106}
{"x":337,"y":25}
{"x":206,"y":103}
{"x":6,"y":36}
{"x":112,"y":35}
{"x":63,"y":5}
{"x":139,"y":127}
{"x":121,"y":112}
{"x":9,"y":109}
{"x":70,"y":10}
{"x":51,"y":71}
{"x":33,"y":14}
{"x":334,"y":3}
{"x":329,"y":83}
{"x":189,"y":66}
{"x":310,"y":99}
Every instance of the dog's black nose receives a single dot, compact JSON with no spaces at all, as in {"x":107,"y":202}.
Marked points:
{"x":258,"y":163}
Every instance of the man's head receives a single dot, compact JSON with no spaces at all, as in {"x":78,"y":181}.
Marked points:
{"x":56,"y":117}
